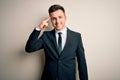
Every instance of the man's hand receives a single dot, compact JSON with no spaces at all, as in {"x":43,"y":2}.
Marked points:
{"x":44,"y":23}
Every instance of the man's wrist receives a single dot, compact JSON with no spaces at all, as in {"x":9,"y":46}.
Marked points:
{"x":38,"y":29}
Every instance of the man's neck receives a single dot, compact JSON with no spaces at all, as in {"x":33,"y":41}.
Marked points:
{"x":61,"y":29}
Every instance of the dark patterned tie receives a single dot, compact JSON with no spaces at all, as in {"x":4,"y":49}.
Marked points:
{"x":59,"y":42}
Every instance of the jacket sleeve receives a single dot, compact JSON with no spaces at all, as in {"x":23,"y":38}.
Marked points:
{"x":82,"y":66}
{"x":34,"y":43}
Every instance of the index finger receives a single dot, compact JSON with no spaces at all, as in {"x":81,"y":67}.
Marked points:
{"x":47,"y":19}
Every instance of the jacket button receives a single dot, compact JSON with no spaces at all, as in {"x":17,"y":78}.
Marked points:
{"x":59,"y":61}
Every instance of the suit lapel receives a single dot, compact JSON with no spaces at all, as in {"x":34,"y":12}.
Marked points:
{"x":54,"y":42}
{"x":68,"y":41}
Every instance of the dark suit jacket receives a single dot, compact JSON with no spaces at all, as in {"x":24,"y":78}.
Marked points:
{"x":61,"y":66}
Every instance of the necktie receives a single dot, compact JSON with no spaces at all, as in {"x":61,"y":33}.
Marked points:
{"x":59,"y":42}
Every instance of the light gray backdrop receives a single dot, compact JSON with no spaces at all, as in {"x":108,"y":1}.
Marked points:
{"x":97,"y":20}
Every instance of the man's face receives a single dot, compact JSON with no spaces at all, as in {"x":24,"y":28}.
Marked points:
{"x":58,"y":19}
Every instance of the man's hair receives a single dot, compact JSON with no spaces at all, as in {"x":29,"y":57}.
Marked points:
{"x":55,"y":7}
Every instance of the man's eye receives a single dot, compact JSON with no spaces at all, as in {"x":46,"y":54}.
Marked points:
{"x":60,"y":17}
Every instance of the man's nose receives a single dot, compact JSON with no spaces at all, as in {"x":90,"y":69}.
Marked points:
{"x":57,"y":20}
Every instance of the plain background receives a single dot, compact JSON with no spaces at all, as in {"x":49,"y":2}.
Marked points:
{"x":97,"y":20}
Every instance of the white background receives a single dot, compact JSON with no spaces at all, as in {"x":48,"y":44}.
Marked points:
{"x":97,"y":20}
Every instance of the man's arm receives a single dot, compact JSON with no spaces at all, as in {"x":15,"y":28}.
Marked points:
{"x":82,"y":66}
{"x":33,"y":42}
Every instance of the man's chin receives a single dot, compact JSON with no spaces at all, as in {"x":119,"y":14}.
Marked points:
{"x":58,"y":29}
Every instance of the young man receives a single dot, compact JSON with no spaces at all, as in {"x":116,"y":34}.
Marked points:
{"x":61,"y":46}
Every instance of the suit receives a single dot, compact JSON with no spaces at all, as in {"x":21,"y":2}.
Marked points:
{"x":63,"y":66}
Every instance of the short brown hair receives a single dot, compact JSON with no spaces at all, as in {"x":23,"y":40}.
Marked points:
{"x":55,"y":7}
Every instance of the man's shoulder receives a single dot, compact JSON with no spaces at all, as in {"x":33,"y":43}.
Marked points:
{"x":74,"y":32}
{"x":75,"y":36}
{"x":50,"y":31}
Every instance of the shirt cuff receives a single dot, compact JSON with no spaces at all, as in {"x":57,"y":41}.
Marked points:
{"x":38,"y":29}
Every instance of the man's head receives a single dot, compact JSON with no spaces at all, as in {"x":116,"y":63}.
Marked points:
{"x":58,"y":17}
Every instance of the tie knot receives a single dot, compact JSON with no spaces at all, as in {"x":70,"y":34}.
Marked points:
{"x":59,"y":33}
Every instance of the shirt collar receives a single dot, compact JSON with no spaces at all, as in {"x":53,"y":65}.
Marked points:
{"x":63,"y":31}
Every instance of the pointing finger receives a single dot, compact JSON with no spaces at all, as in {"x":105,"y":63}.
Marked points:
{"x":47,"y":19}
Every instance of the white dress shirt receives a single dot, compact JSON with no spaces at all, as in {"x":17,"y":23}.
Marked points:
{"x":63,"y":35}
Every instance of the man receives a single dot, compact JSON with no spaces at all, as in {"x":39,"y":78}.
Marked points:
{"x":61,"y":46}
